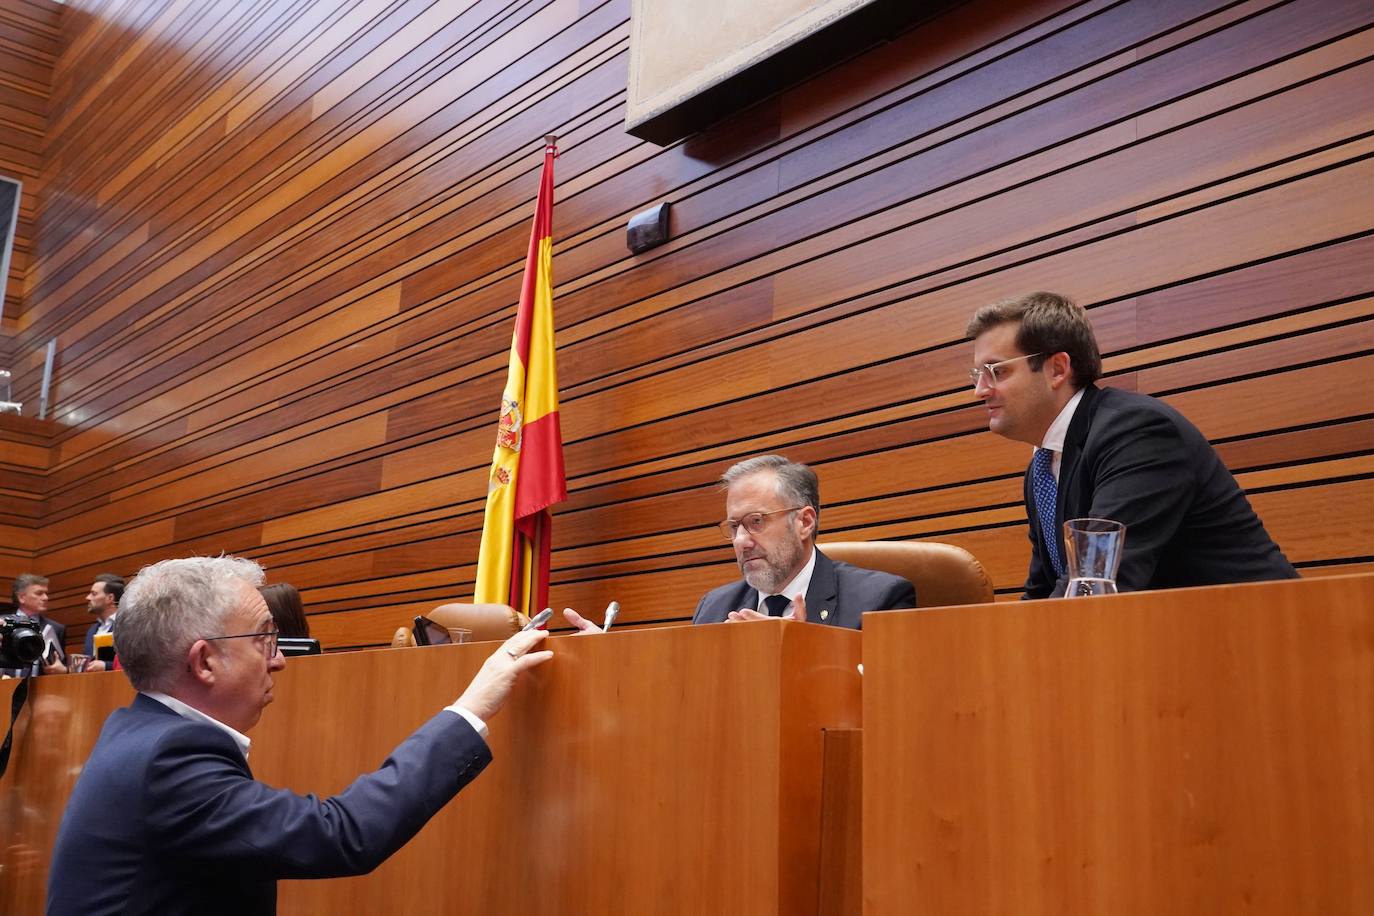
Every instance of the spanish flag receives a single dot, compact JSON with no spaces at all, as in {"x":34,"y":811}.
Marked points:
{"x":527,"y":469}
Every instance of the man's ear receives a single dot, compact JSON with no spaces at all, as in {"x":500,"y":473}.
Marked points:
{"x":806,"y":519}
{"x":1060,"y":369}
{"x":202,"y":662}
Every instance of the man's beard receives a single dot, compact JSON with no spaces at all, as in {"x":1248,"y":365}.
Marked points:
{"x":779,"y":569}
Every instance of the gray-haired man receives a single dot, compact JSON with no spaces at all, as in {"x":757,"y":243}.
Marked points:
{"x":166,"y":816}
{"x":772,"y":507}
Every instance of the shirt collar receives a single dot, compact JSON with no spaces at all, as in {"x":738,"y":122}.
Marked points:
{"x":798,"y":586}
{"x":195,"y":715}
{"x":1059,"y":429}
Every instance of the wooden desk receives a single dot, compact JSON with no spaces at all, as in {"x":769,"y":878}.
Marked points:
{"x":665,"y":771}
{"x":1199,"y":751}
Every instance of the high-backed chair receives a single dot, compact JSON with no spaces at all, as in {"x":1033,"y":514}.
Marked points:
{"x":942,"y":573}
{"x":486,"y":621}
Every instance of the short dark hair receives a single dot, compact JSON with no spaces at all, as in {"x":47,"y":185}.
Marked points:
{"x":1049,"y":324}
{"x":797,"y":483}
{"x":288,"y":613}
{"x":23,"y":581}
{"x":114,"y":585}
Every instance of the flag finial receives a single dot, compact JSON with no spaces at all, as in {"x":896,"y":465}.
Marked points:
{"x":551,"y":140}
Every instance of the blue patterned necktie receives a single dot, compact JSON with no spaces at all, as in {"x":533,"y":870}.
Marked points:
{"x":1045,"y":489}
{"x":776,"y":604}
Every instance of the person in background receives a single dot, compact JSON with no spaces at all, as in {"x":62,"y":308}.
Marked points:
{"x":102,"y":601}
{"x":287,"y":611}
{"x":30,"y":595}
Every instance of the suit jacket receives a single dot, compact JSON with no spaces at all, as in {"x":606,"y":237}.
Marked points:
{"x":166,"y":817}
{"x":1134,"y":459}
{"x":842,"y":591}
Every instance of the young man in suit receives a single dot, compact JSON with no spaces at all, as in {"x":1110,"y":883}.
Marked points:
{"x":166,"y":816}
{"x":1109,"y":453}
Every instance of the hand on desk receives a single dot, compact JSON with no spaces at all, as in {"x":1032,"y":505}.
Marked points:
{"x":489,"y":689}
{"x":798,"y":612}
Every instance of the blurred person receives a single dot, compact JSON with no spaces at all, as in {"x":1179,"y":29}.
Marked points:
{"x":30,"y":595}
{"x":102,"y":601}
{"x":288,"y":612}
{"x":166,"y":816}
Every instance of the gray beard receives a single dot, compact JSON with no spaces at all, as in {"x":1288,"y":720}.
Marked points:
{"x":773,"y":576}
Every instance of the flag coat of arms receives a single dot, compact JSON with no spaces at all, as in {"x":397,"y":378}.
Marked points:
{"x":527,"y":468}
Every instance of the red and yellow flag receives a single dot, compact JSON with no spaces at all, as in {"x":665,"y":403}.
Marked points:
{"x":527,"y":469}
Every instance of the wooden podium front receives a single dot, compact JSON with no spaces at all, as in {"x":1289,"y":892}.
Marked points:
{"x":1189,"y":752}
{"x":664,"y":771}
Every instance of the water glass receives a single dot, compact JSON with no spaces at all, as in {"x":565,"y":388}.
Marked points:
{"x":1093,"y":550}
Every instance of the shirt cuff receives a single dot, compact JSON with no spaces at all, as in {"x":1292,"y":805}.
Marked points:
{"x":475,"y":722}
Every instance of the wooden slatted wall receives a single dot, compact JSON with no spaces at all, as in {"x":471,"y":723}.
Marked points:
{"x":28,"y":50}
{"x":281,"y":243}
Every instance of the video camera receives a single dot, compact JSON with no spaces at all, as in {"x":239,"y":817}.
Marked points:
{"x":21,"y":642}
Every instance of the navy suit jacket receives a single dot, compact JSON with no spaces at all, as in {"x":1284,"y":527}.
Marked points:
{"x":166,"y":817}
{"x":838,"y":591}
{"x":1136,"y":460}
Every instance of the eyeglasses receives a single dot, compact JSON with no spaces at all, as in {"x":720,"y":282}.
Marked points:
{"x":753,"y":523}
{"x":994,"y":371}
{"x":269,"y":640}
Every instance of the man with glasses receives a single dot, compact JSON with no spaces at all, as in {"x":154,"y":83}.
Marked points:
{"x":1108,"y":453}
{"x":771,"y":510}
{"x":772,"y":507}
{"x":166,"y":816}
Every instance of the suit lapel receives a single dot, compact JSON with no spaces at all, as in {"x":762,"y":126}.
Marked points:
{"x":821,"y":593}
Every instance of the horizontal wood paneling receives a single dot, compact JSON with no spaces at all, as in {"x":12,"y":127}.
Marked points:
{"x":282,"y":261}
{"x":29,"y":35}
{"x":25,"y":456}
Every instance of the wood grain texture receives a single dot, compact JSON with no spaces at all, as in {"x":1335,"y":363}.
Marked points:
{"x":29,"y":44}
{"x":280,"y":250}
{"x":1196,"y":752}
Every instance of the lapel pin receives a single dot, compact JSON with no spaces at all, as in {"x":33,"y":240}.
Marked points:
{"x":825,"y":614}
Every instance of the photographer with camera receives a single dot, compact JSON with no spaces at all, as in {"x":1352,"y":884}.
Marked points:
{"x":17,"y":643}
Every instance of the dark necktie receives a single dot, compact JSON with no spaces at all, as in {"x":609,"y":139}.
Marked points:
{"x":776,"y":604}
{"x":1045,"y":490}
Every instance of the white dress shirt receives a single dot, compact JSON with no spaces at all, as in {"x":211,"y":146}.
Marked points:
{"x":1059,"y":430}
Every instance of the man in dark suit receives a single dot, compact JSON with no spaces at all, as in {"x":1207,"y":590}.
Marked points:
{"x":1107,"y":453}
{"x":772,"y":507}
{"x":103,"y":602}
{"x":30,"y":594}
{"x":166,"y":817}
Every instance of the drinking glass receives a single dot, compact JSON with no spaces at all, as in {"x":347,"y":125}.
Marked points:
{"x":1093,"y":548}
